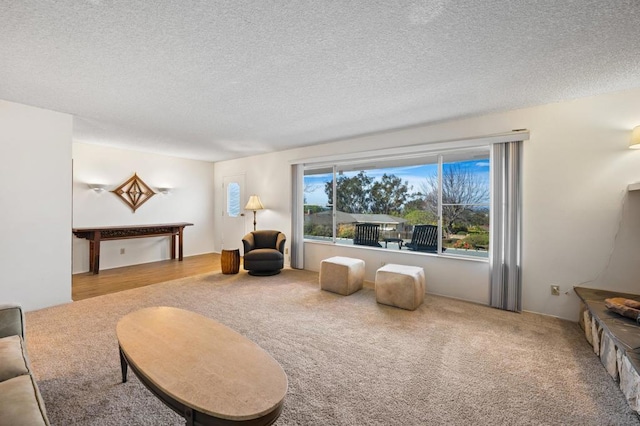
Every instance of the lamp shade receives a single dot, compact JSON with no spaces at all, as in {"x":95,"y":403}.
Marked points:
{"x":635,"y":138}
{"x":254,"y":203}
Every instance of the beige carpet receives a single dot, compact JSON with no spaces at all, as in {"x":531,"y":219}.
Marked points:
{"x":349,"y":360}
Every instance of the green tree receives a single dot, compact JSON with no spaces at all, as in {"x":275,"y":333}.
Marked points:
{"x":364,"y":194}
{"x":416,"y":203}
{"x":389,"y":195}
{"x":420,"y":217}
{"x":353,"y":193}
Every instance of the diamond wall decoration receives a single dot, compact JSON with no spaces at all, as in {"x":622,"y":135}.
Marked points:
{"x":134,"y":192}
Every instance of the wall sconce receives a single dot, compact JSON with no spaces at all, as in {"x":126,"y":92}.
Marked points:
{"x":634,"y":143}
{"x":164,"y":191}
{"x":98,"y":187}
{"x":254,"y":204}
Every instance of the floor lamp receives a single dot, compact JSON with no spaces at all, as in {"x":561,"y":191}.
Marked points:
{"x":254,"y":204}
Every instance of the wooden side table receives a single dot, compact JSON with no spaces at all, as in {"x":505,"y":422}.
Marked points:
{"x":230,"y":261}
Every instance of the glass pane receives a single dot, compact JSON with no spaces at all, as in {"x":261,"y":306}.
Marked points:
{"x":233,"y":199}
{"x":318,"y":218}
{"x":465,"y":204}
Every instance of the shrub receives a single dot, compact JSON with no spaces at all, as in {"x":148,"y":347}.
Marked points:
{"x":459,"y":230}
{"x":473,"y":241}
{"x":317,"y":230}
{"x":346,"y":231}
{"x":477,"y":230}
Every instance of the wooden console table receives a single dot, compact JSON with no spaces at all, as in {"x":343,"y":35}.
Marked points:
{"x":107,"y":233}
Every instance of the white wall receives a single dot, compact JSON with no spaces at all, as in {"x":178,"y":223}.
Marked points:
{"x":578,"y":229}
{"x":190,"y":200}
{"x":35,"y":188}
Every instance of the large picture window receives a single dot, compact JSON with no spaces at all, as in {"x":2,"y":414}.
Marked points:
{"x":436,"y":203}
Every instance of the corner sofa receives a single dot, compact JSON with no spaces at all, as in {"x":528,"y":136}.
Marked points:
{"x":20,"y":399}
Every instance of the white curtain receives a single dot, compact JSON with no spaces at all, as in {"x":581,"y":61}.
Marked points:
{"x":297,"y":216}
{"x":506,"y":227}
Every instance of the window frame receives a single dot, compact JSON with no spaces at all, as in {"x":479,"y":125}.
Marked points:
{"x":342,"y":154}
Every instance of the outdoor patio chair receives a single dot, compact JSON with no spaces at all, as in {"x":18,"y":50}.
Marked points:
{"x":424,"y":238}
{"x":367,"y":234}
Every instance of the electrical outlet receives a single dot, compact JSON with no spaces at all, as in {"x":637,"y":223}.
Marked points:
{"x":555,"y":290}
{"x":121,"y":251}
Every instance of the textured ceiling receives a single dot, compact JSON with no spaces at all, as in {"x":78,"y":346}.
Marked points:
{"x":215,"y":80}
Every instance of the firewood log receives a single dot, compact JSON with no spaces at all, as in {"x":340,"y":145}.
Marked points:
{"x":617,"y":305}
{"x":632,"y":303}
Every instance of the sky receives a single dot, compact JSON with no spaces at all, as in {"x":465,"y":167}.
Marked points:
{"x":414,"y":175}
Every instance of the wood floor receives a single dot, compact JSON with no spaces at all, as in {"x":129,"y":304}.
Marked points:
{"x":86,"y":285}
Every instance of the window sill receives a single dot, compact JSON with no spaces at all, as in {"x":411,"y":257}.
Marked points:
{"x":402,"y":252}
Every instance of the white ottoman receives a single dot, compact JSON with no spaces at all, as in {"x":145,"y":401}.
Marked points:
{"x":400,"y":286}
{"x":342,"y":275}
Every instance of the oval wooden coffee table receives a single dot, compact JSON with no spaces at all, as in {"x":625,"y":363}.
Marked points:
{"x":203,"y":370}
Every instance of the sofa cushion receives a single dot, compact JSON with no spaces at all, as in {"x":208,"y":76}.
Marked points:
{"x":13,"y":360}
{"x":21,"y":403}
